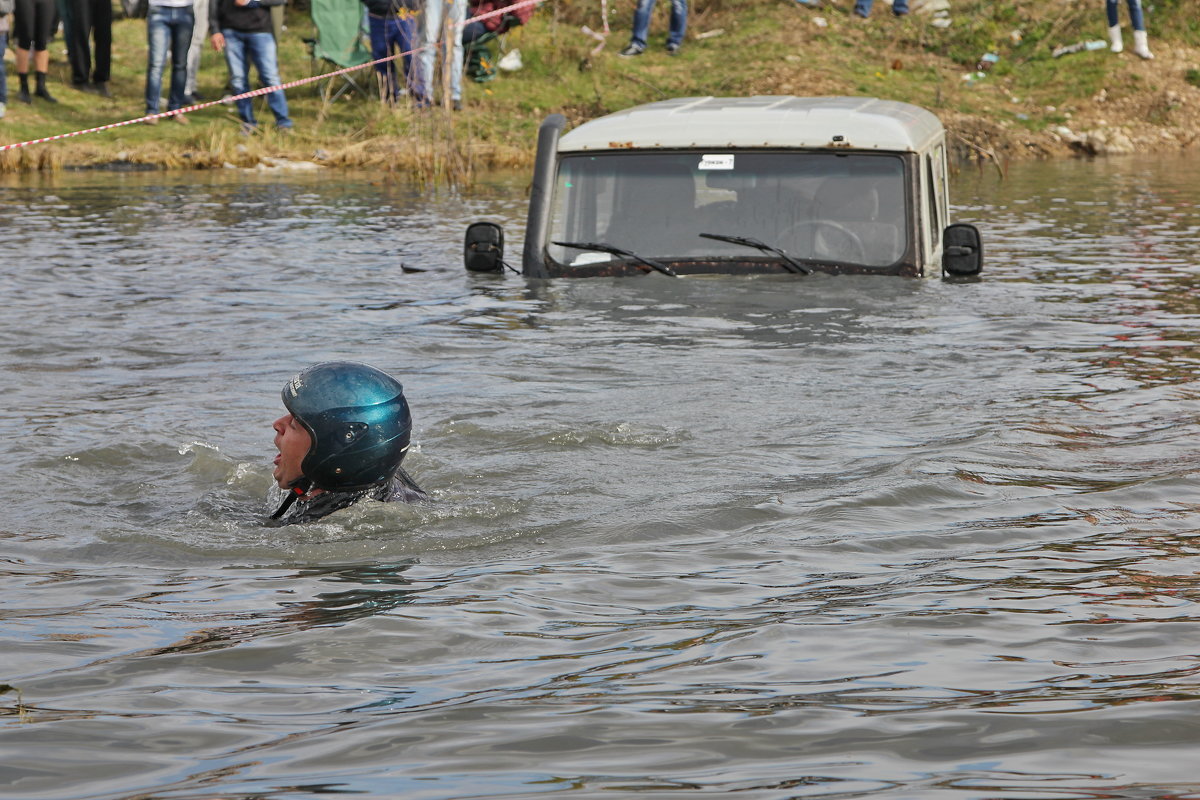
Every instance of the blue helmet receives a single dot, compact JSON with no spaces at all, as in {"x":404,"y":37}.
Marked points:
{"x":358,"y":420}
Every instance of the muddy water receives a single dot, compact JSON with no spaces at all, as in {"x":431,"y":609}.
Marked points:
{"x":763,"y":538}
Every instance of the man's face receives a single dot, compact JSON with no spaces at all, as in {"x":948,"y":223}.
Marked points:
{"x":293,"y":442}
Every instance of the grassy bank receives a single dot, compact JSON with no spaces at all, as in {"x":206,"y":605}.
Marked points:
{"x":1021,"y":107}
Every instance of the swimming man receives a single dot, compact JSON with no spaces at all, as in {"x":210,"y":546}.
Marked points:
{"x":343,"y":438}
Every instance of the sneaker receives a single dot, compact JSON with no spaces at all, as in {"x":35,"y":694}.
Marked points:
{"x":632,"y":50}
{"x":151,"y":120}
{"x":3,"y":110}
{"x":181,"y":119}
{"x":672,"y":49}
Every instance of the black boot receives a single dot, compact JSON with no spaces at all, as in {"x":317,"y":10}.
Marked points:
{"x":23,"y":92}
{"x":41,"y":91}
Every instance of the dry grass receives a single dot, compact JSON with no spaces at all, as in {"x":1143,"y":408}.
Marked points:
{"x":1010,"y":114}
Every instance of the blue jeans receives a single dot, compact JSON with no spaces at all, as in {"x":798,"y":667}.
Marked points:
{"x":167,"y":28}
{"x":863,"y":7}
{"x":641,"y":22}
{"x":1135,"y":14}
{"x":390,"y":34}
{"x":260,"y":47}
{"x":433,"y":36}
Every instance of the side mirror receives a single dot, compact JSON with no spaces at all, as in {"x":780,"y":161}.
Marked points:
{"x":962,"y":253}
{"x":483,"y":247}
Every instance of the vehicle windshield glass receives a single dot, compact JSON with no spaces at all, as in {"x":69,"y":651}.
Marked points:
{"x":847,"y":208}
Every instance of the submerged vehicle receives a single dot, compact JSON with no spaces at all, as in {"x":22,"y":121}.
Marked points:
{"x":740,"y":186}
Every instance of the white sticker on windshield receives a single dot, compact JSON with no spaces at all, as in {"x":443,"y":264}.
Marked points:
{"x":724,"y":161}
{"x":591,"y":258}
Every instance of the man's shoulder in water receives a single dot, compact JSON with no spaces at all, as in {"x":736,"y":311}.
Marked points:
{"x":400,"y":489}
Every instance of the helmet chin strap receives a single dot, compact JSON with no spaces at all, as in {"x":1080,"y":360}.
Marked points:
{"x":297,"y":489}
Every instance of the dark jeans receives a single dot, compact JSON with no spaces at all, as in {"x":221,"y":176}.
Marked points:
{"x":863,"y":7}
{"x":243,"y":49}
{"x":473,"y":31}
{"x":393,"y":34}
{"x":90,"y":19}
{"x":1135,"y":14}
{"x":167,"y":28}
{"x":641,"y":22}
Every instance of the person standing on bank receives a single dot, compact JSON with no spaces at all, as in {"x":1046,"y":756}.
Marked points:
{"x":242,"y":29}
{"x":346,"y":430}
{"x":34,"y":23}
{"x":195,"y":51}
{"x":393,"y":27}
{"x":641,"y":27}
{"x":169,"y":26}
{"x":91,"y":23}
{"x":1140,"y":46}
{"x":443,"y":42}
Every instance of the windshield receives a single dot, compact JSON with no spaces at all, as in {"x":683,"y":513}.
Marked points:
{"x":845,"y":208}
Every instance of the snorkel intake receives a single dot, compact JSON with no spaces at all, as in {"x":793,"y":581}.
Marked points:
{"x":359,"y":423}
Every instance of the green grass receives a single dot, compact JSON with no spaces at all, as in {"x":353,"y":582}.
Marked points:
{"x":733,"y":48}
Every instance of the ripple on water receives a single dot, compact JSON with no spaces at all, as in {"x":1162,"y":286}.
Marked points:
{"x":762,"y":538}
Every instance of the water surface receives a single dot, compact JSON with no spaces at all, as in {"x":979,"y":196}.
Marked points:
{"x":768,"y":537}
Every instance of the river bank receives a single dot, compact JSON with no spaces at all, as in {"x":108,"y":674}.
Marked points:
{"x":1027,"y":104}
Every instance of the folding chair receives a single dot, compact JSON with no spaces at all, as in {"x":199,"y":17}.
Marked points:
{"x":338,"y":45}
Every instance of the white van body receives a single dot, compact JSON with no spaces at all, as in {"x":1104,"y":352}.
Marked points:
{"x":746,"y":185}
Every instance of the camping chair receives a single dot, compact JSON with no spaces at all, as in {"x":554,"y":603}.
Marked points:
{"x":338,"y":45}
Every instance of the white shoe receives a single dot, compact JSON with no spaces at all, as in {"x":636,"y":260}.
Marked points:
{"x":1114,"y":37}
{"x":1139,"y":45}
{"x":3,"y":109}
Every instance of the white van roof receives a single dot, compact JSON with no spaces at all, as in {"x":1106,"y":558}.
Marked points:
{"x":863,"y":123}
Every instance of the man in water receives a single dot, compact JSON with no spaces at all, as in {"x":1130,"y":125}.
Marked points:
{"x":343,"y":438}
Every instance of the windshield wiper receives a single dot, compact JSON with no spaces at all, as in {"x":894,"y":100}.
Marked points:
{"x":789,"y":263}
{"x":600,"y":247}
